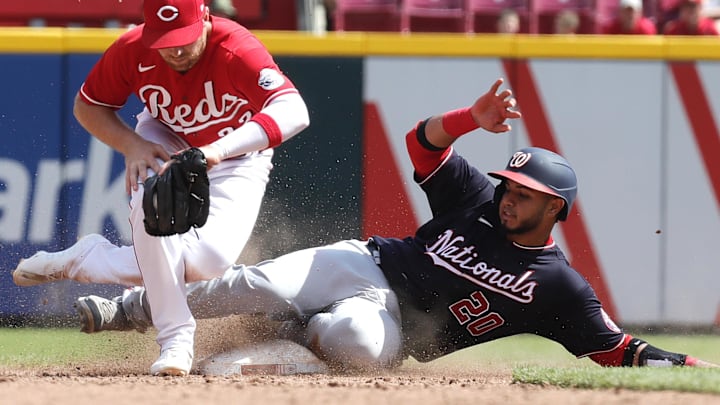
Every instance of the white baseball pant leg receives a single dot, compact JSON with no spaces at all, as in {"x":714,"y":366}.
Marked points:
{"x":237,"y":187}
{"x":354,"y":315}
{"x":165,"y":264}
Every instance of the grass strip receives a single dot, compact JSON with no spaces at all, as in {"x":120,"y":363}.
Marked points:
{"x":684,"y":379}
{"x":57,"y":346}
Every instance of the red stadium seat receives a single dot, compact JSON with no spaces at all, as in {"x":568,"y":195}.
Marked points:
{"x":664,"y":11}
{"x":544,"y":12}
{"x":255,"y":14}
{"x":606,"y":11}
{"x":367,"y":15}
{"x":93,"y":13}
{"x":433,"y":16}
{"x":482,"y":15}
{"x":267,"y":14}
{"x":249,"y":10}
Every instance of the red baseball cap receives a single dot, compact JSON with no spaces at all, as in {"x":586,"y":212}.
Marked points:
{"x":170,"y":23}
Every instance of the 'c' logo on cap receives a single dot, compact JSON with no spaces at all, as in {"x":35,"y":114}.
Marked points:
{"x":519,"y":159}
{"x":168,"y":13}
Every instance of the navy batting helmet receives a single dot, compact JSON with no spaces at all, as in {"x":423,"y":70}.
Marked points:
{"x":542,"y":170}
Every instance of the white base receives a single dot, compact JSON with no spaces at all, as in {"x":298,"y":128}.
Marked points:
{"x":275,"y":357}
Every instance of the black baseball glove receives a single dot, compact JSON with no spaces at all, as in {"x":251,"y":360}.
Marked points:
{"x":179,"y":198}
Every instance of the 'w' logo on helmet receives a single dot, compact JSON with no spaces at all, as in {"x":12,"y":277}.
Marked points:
{"x":519,"y":159}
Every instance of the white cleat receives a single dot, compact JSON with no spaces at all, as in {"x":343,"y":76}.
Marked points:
{"x":172,"y":362}
{"x":47,"y":267}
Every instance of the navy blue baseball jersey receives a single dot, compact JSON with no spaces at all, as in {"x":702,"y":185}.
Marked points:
{"x":461,"y":282}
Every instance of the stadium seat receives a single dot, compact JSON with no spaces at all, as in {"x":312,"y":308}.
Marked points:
{"x":249,"y":10}
{"x":367,"y":15}
{"x":607,"y":10}
{"x":93,"y":13}
{"x":664,"y":11}
{"x":544,"y":11}
{"x":482,"y":15}
{"x":254,"y":14}
{"x":267,"y":14}
{"x":433,"y":16}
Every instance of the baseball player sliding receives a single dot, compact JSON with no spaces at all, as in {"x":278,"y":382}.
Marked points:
{"x":216,"y":102}
{"x":484,"y":267}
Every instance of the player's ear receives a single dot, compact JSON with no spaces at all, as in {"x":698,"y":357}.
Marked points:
{"x":555,"y":207}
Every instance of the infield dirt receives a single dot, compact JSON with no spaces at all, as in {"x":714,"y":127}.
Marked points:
{"x":125,"y":381}
{"x":68,"y":386}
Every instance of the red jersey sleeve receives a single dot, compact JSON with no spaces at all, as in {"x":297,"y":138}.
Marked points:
{"x":254,"y":71}
{"x":108,"y":82}
{"x":424,"y":157}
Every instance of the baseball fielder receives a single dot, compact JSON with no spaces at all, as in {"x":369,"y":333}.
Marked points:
{"x":206,"y":82}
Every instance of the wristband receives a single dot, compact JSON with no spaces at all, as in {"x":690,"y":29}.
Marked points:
{"x":270,"y":127}
{"x":458,"y":122}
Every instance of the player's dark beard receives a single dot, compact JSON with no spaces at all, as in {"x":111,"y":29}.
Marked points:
{"x":524,"y":226}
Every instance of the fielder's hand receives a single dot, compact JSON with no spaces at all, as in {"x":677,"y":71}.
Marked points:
{"x":179,"y":197}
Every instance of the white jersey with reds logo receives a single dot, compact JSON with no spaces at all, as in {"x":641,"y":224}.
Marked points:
{"x":233,"y":80}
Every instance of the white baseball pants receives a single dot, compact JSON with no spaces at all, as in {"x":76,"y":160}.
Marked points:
{"x":354,"y":317}
{"x":165,"y":264}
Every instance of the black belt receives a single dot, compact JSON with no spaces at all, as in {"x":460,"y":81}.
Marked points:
{"x":374,"y":250}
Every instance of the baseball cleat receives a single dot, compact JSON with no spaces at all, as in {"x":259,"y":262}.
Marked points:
{"x":98,"y":314}
{"x":172,"y":362}
{"x":47,"y":267}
